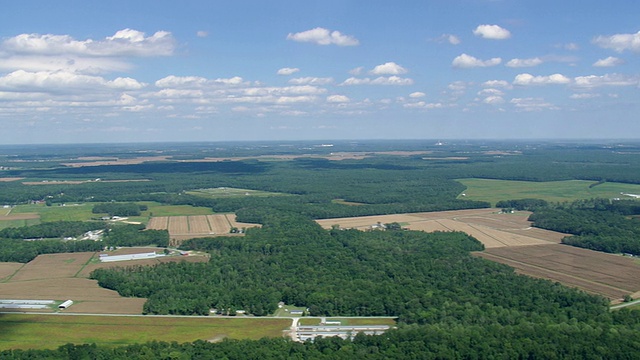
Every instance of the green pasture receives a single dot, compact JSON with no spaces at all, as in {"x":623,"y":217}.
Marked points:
{"x":224,"y":192}
{"x":58,"y":212}
{"x":17,"y":223}
{"x":553,"y":191}
{"x":26,"y":331}
{"x":157,"y":209}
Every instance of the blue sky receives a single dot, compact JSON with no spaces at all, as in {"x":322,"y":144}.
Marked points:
{"x":132,"y":71}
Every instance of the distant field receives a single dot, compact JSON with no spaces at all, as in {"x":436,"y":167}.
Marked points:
{"x":21,"y":331}
{"x":493,"y":191}
{"x":193,"y":226}
{"x":223,"y":192}
{"x":609,"y":275}
{"x":157,"y":209}
{"x":56,"y":212}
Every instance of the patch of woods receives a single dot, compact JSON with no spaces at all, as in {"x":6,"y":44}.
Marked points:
{"x":604,"y":225}
{"x":420,"y":277}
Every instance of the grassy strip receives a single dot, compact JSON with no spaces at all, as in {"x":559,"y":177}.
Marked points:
{"x":553,"y":191}
{"x":24,"y":331}
{"x":226,"y":192}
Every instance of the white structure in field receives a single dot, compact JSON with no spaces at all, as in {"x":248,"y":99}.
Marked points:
{"x":65,"y":304}
{"x":26,"y":304}
{"x":150,"y":255}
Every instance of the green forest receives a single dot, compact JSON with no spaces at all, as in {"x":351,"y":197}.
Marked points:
{"x":449,"y":303}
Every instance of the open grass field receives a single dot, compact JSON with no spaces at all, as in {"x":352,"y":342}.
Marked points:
{"x":69,"y":212}
{"x":493,"y":191}
{"x":32,"y":331}
{"x":225,"y":192}
{"x":609,"y":275}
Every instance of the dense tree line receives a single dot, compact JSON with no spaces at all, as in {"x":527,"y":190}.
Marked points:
{"x":57,"y":229}
{"x":12,"y":250}
{"x":119,"y":209}
{"x":596,"y":224}
{"x":134,"y":235}
{"x":522,"y":204}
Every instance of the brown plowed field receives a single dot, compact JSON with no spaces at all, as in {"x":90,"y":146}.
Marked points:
{"x":8,"y":269}
{"x":53,"y":266}
{"x":234,"y":223}
{"x":610,"y":275}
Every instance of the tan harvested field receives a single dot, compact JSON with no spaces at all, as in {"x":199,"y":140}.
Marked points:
{"x":178,"y":225}
{"x":25,"y":216}
{"x":53,"y":266}
{"x":8,"y":269}
{"x":489,"y":226}
{"x":64,"y":276}
{"x":158,"y":223}
{"x":198,"y":224}
{"x":219,"y":224}
{"x":188,"y":227}
{"x":610,"y":275}
{"x":8,"y":179}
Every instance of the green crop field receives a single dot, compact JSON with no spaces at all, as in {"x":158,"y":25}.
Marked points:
{"x":157,"y":209}
{"x":56,"y":212}
{"x":555,"y":191}
{"x":17,"y":223}
{"x":24,"y":331}
{"x":223,"y":192}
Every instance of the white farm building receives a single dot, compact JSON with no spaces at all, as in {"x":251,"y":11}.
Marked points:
{"x":140,"y":256}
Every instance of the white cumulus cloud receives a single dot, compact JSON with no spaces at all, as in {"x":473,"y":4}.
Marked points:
{"x":381,"y":80}
{"x":389,"y":68}
{"x":493,"y":32}
{"x":338,"y":99}
{"x":517,"y":63}
{"x":608,"y":62}
{"x":619,"y":42}
{"x":322,"y":36}
{"x":127,"y":42}
{"x":528,"y":79}
{"x":311,"y":81}
{"x":288,"y":71}
{"x":468,"y":61}
{"x":591,"y":81}
{"x":417,"y":94}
